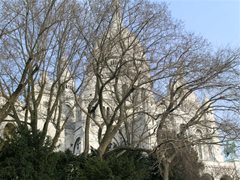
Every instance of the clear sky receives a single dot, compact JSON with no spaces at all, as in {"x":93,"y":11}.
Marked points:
{"x":216,"y":20}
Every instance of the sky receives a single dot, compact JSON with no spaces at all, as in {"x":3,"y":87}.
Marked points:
{"x":216,"y":20}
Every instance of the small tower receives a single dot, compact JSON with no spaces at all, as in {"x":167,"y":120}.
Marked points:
{"x":116,"y":10}
{"x":68,"y":104}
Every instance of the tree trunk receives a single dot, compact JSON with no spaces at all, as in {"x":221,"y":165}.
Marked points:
{"x":110,"y":133}
{"x":166,"y":171}
{"x":55,"y":140}
{"x":102,"y":148}
{"x":104,"y":144}
{"x":86,"y":140}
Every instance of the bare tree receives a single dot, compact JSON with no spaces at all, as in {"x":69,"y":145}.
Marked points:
{"x":41,"y":59}
{"x":136,"y":46}
{"x":135,"y":69}
{"x":22,"y":32}
{"x":186,"y":108}
{"x":118,"y":72}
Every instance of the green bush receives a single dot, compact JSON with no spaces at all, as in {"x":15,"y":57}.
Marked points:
{"x":130,"y":165}
{"x":23,"y":158}
{"x":89,"y":168}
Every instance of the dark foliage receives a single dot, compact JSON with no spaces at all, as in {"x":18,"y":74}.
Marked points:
{"x":81,"y":167}
{"x":185,"y":165}
{"x":127,"y":165}
{"x":130,"y":165}
{"x":22,"y":157}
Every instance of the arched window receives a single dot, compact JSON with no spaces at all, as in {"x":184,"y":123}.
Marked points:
{"x":206,"y":177}
{"x":8,"y":131}
{"x":226,"y":177}
{"x":69,"y":111}
{"x":76,"y":148}
{"x":211,"y":152}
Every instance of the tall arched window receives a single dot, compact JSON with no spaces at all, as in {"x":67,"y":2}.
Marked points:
{"x":69,"y":111}
{"x":76,"y":148}
{"x":69,"y":117}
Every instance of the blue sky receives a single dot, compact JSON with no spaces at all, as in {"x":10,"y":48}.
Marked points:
{"x":216,"y":20}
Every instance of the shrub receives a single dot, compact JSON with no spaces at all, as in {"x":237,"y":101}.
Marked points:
{"x":22,"y":157}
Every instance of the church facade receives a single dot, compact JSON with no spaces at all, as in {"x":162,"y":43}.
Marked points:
{"x":137,"y":128}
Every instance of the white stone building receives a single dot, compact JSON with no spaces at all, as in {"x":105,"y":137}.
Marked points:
{"x":142,"y":132}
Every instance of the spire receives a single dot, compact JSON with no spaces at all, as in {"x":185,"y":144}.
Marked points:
{"x":116,"y":8}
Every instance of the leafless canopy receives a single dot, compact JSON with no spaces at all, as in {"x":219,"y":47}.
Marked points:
{"x":140,"y":65}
